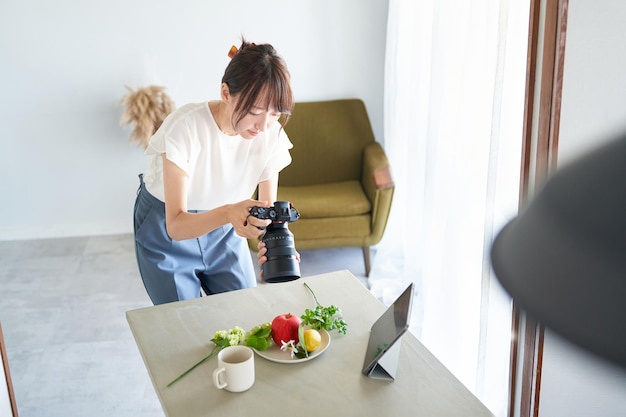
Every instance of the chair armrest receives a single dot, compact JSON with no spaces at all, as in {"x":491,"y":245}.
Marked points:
{"x":376,"y":170}
{"x":379,"y":187}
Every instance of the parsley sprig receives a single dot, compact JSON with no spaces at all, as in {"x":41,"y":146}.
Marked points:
{"x":327,"y":318}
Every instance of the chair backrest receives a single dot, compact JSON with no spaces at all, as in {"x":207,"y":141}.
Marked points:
{"x":328,"y":138}
{"x":7,"y":399}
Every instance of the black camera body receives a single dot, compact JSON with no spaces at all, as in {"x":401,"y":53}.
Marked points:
{"x":282,"y":264}
{"x":278,"y":213}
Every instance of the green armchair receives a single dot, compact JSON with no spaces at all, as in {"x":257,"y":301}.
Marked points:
{"x":339,"y":180}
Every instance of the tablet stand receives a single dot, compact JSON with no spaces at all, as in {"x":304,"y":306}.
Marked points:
{"x":387,"y":365}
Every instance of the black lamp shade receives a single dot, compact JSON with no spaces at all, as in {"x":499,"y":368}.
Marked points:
{"x":563,"y":259}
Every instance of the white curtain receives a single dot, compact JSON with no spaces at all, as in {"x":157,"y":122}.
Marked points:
{"x":454,"y":96}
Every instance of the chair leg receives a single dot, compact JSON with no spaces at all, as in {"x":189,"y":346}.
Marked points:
{"x":367,"y":259}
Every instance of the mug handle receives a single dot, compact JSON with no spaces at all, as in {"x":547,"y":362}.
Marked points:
{"x":216,"y":378}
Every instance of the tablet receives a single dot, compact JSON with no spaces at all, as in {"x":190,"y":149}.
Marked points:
{"x":383,"y":348}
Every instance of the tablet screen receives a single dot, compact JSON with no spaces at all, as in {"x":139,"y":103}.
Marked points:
{"x":388,"y":329}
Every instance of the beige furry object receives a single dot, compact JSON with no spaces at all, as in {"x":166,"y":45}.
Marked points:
{"x":145,"y":110}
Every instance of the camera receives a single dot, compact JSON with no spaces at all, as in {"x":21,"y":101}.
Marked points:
{"x":282,"y":211}
{"x":282,"y":264}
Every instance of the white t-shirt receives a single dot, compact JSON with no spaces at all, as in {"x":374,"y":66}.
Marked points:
{"x":222,"y":169}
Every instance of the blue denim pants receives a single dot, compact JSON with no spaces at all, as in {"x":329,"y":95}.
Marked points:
{"x":172,"y":270}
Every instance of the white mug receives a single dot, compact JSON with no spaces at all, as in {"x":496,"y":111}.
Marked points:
{"x":235,"y":369}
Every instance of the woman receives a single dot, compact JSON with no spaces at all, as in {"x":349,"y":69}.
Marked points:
{"x":204,"y":163}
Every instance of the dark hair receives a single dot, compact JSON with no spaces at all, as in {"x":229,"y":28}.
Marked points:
{"x":256,"y":70}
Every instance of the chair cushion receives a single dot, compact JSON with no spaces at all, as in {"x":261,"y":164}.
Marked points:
{"x":340,"y":199}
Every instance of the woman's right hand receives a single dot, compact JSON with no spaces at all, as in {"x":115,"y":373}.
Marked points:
{"x":245,"y":224}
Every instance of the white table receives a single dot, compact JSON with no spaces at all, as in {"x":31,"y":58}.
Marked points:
{"x":172,"y":337}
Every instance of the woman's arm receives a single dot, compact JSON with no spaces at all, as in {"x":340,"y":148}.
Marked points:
{"x":268,"y":190}
{"x":182,"y":225}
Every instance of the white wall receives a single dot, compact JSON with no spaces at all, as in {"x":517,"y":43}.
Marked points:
{"x":575,"y":383}
{"x":66,"y":166}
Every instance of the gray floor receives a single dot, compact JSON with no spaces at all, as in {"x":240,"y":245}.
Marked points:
{"x":62,"y":308}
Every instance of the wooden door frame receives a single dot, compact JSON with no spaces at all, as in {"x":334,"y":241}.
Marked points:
{"x":7,"y":374}
{"x":542,"y":111}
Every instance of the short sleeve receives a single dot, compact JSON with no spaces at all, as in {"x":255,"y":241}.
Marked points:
{"x":173,"y":140}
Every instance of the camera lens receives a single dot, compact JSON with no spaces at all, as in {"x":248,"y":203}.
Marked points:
{"x":282,"y":264}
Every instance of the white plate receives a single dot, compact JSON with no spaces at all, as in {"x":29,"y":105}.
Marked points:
{"x":274,"y":354}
